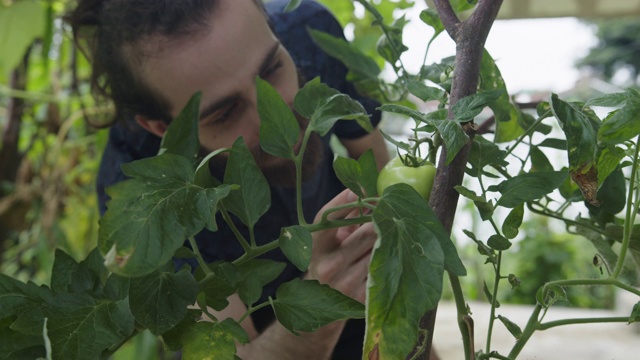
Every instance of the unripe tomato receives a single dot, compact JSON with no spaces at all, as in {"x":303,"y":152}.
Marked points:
{"x":420,"y":178}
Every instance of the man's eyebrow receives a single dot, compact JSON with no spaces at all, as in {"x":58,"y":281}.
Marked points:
{"x":264,"y":65}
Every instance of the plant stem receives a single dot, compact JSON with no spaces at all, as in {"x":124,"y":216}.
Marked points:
{"x":494,"y":301}
{"x":253,"y":309}
{"x":253,"y":253}
{"x":629,"y":216}
{"x":529,"y":131}
{"x":466,"y":327}
{"x":330,"y":224}
{"x":196,"y":251}
{"x":529,"y":329}
{"x":612,"y":319}
{"x":298,"y":163}
{"x":227,"y":218}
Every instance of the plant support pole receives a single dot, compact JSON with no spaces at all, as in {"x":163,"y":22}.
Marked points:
{"x":470,"y":36}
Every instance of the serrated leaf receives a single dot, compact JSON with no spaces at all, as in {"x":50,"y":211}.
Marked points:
{"x":424,"y":92}
{"x":485,"y":209}
{"x":279,"y":129}
{"x":149,"y":216}
{"x":159,"y":300}
{"x":484,"y":152}
{"x":15,"y":345}
{"x":306,"y":305}
{"x":453,"y":136}
{"x":254,"y":275}
{"x":498,"y":242}
{"x":79,"y":326}
{"x":352,"y":57}
{"x":64,"y":266}
{"x":580,"y":128}
{"x":527,"y":187}
{"x":90,"y":275}
{"x":513,"y":328}
{"x":405,"y":273}
{"x":399,"y":144}
{"x":539,"y":161}
{"x":609,"y":100}
{"x":16,"y":296}
{"x":205,"y":340}
{"x":403,"y":110}
{"x":339,"y":107}
{"x":469,"y":194}
{"x":559,"y":144}
{"x":511,"y":224}
{"x":219,"y":286}
{"x":467,"y":108}
{"x":172,"y":339}
{"x":253,"y":199}
{"x":295,"y":242}
{"x":360,"y":176}
{"x":622,"y":125}
{"x":430,"y":17}
{"x":181,"y":137}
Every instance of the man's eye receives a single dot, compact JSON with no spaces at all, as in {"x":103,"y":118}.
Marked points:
{"x":272,"y":69}
{"x":222,"y":117}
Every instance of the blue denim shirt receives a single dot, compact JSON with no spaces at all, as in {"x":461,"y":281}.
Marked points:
{"x":129,"y":142}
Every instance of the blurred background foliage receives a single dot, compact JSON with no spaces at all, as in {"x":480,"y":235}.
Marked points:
{"x":49,"y":152}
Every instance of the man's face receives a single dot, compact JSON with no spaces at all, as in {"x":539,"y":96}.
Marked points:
{"x":222,"y":62}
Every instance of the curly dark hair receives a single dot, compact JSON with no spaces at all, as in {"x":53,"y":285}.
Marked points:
{"x":104,"y":28}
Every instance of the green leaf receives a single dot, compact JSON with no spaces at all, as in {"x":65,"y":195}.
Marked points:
{"x":254,"y":197}
{"x":608,"y":162}
{"x":405,"y":273}
{"x":528,"y":187}
{"x":64,"y":266}
{"x":360,"y":176}
{"x":306,"y":305}
{"x":16,"y":296}
{"x":279,"y":129}
{"x":15,"y":345}
{"x":484,"y":152}
{"x":424,"y":92}
{"x":293,"y":4}
{"x":635,"y":313}
{"x":559,"y":144}
{"x":390,"y":45}
{"x":219,"y":286}
{"x":610,"y":100}
{"x":295,"y":242}
{"x":90,"y":275}
{"x":513,"y":328}
{"x":205,"y":340}
{"x":351,"y":56}
{"x":142,"y":229}
{"x":430,"y":17}
{"x":539,"y":161}
{"x":403,"y":110}
{"x":254,"y":275}
{"x":21,"y":23}
{"x":470,"y":106}
{"x":513,"y":221}
{"x":622,"y":125}
{"x":173,"y":338}
{"x":498,"y":243}
{"x":399,"y":144}
{"x":203,"y":177}
{"x":181,"y":137}
{"x":79,"y":326}
{"x":463,"y":5}
{"x":159,"y":300}
{"x":453,"y":136}
{"x":580,"y":128}
{"x":507,"y":114}
{"x":324,"y":106}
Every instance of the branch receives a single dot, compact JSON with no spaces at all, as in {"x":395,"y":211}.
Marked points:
{"x":448,"y":17}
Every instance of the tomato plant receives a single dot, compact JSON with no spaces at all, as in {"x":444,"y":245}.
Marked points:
{"x":418,"y":177}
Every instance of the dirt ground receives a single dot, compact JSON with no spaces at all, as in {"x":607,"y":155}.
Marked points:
{"x":606,"y":341}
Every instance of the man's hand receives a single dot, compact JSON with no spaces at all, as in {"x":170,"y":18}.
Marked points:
{"x":341,"y":256}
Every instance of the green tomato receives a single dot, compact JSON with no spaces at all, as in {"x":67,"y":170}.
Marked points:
{"x":420,"y":178}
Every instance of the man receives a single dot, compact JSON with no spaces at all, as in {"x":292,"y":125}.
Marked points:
{"x":151,"y":56}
